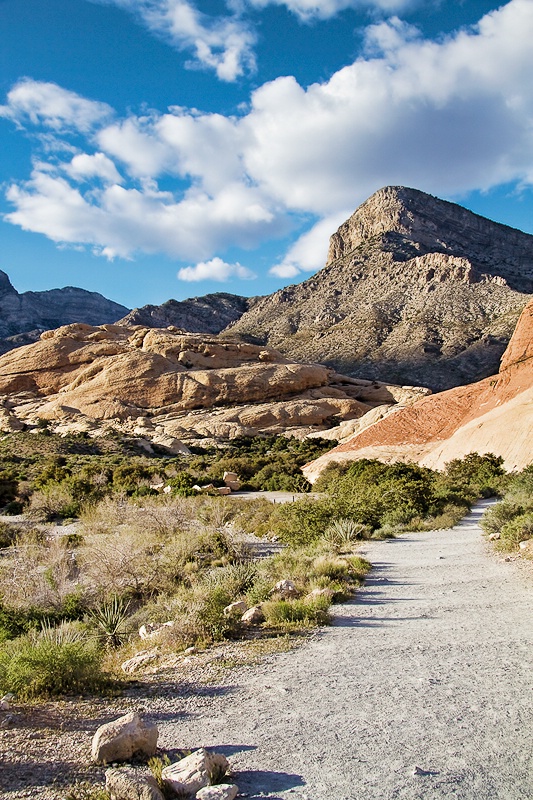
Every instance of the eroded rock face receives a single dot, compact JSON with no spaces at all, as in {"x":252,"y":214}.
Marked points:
{"x":494,"y":415}
{"x":163,"y":386}
{"x":415,"y":290}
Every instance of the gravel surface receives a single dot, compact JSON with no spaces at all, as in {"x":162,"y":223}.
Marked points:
{"x":421,"y":689}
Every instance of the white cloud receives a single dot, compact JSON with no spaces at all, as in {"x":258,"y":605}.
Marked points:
{"x":84,"y":167}
{"x":215,"y":270}
{"x":308,"y":10}
{"x":309,"y":252}
{"x":445,"y":116}
{"x":121,"y":221}
{"x":50,"y":105}
{"x":222,"y":43}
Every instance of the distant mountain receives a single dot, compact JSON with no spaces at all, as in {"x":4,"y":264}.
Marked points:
{"x":416,"y":290}
{"x":23,"y":316}
{"x":208,"y":314}
{"x":493,"y":415}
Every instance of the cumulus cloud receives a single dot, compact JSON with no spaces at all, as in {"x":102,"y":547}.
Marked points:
{"x":309,"y":252}
{"x":47,"y":104}
{"x":120,"y":221}
{"x":215,"y":270}
{"x":445,"y":116}
{"x":223,"y":44}
{"x":84,"y":167}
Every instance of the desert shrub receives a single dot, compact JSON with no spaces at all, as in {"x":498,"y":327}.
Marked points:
{"x":8,"y":534}
{"x":481,"y":474}
{"x":519,"y":529}
{"x":53,"y":501}
{"x":54,"y":661}
{"x":87,"y":791}
{"x":38,"y":572}
{"x":301,"y":613}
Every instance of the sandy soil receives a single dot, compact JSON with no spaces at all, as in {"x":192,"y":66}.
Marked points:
{"x":429,"y":667}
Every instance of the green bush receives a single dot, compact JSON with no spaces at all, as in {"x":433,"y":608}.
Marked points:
{"x":54,"y":661}
{"x":517,"y":530}
{"x":290,"y":613}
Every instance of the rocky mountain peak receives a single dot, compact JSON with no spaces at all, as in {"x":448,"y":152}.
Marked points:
{"x":6,"y":287}
{"x":416,"y":290}
{"x":430,"y":225}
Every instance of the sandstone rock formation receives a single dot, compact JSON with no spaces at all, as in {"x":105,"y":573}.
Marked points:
{"x":415,"y":290}
{"x":24,"y":316}
{"x":208,"y":314}
{"x":163,"y":386}
{"x":494,"y":415}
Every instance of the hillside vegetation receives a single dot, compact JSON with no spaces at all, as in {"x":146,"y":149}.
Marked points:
{"x":76,"y":596}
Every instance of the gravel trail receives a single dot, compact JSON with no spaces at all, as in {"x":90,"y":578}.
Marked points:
{"x":429,"y":667}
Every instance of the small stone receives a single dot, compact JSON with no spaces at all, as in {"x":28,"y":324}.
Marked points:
{"x":316,"y":593}
{"x":286,"y":589}
{"x":494,"y":536}
{"x":128,"y":783}
{"x":222,"y":791}
{"x":140,"y":660}
{"x":194,"y":772}
{"x":122,"y":738}
{"x":239,"y":607}
{"x":254,"y":616}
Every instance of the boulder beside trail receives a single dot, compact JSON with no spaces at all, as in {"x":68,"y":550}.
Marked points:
{"x":195,"y":771}
{"x":120,"y":739}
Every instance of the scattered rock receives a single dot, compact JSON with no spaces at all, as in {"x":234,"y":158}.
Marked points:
{"x":140,"y":660}
{"x":254,"y":616}
{"x":316,"y":593}
{"x":222,"y":791}
{"x":128,"y":783}
{"x":286,"y":590}
{"x":194,"y":772}
{"x":239,"y":607}
{"x":149,"y":630}
{"x":120,"y":739}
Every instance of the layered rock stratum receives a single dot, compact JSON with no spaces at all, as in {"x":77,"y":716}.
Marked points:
{"x":166,"y":385}
{"x":415,"y":290}
{"x":23,"y":316}
{"x":493,"y":415}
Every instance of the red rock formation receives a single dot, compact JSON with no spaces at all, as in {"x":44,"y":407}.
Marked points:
{"x":494,"y":415}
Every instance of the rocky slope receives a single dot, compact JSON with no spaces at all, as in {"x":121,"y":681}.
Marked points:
{"x":208,"y":314}
{"x":415,"y":290}
{"x":163,"y":386}
{"x":493,"y":415}
{"x":24,"y":316}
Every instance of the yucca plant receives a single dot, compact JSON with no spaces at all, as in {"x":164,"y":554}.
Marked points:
{"x":343,"y":532}
{"x":110,"y":619}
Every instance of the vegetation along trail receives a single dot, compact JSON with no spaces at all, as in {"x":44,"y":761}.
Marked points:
{"x":421,"y":689}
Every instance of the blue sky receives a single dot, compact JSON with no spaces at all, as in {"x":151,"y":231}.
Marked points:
{"x":170,"y":148}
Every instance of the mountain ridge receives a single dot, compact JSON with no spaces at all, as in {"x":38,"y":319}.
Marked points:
{"x":415,"y":290}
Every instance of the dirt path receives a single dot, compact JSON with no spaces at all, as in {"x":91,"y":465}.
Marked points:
{"x":430,"y":666}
